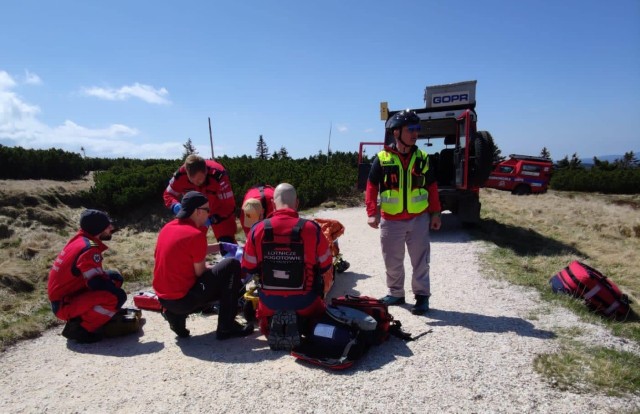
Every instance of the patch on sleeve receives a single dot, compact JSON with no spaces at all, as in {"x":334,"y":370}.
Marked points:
{"x":97,"y":258}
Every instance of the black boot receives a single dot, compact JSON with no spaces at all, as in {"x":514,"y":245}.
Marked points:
{"x":177,"y":323}
{"x":236,"y":330}
{"x":74,"y":330}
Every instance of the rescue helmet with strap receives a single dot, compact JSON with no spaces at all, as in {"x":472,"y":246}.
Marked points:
{"x":402,"y":118}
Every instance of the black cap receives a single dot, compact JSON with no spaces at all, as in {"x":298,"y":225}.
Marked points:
{"x":94,"y":222}
{"x":189,"y":203}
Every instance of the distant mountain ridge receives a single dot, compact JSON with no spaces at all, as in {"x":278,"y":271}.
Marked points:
{"x":610,"y":158}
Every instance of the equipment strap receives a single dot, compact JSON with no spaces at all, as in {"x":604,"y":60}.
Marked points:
{"x":295,"y":233}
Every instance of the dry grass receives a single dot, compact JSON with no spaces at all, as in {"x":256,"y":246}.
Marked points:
{"x":548,"y":231}
{"x":536,"y":236}
{"x":36,"y":221}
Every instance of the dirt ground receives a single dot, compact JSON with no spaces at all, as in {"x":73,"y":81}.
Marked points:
{"x":474,"y":353}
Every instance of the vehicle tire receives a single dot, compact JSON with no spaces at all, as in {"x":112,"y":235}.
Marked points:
{"x":483,"y":163}
{"x":522,"y":189}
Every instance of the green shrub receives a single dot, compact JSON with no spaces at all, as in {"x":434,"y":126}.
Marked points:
{"x":617,"y":181}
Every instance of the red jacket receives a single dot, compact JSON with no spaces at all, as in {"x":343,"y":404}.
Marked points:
{"x":267,"y":203}
{"x":317,"y":256}
{"x":216,"y":187}
{"x":180,"y":244}
{"x":78,"y":263}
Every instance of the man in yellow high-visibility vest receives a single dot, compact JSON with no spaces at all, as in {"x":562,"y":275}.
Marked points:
{"x":409,"y":208}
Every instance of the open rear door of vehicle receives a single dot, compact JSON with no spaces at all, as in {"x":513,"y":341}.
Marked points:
{"x":364,"y":166}
{"x":461,"y":151}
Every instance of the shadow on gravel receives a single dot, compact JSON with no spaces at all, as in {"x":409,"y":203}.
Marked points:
{"x":124,"y":346}
{"x":246,"y":350}
{"x":522,"y":241}
{"x":452,"y":231}
{"x":484,"y":323}
{"x":345,"y":284}
{"x":254,"y":349}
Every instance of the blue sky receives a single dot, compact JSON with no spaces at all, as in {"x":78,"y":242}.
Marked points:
{"x":138,"y":78}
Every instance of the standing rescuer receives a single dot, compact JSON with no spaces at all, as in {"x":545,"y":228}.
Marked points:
{"x":80,"y":290}
{"x":409,"y":207}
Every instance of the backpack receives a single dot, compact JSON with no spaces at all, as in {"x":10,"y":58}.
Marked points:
{"x":338,"y":339}
{"x":126,"y":321}
{"x":380,"y":312}
{"x":351,"y":325}
{"x":283,"y":267}
{"x":599,"y":293}
{"x":147,"y":300}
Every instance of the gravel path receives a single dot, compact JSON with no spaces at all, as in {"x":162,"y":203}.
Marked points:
{"x":475,"y":354}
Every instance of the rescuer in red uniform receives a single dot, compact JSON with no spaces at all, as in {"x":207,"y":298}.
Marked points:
{"x":290,"y":254}
{"x":211,"y":179}
{"x":256,"y":206}
{"x":183,"y":280}
{"x":80,"y":290}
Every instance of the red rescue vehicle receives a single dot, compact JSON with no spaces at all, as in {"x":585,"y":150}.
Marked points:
{"x":460,"y":155}
{"x":521,"y":174}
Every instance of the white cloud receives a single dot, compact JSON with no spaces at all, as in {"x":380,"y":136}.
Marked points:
{"x":31,"y":78}
{"x":6,"y":81}
{"x":13,"y":110}
{"x":144,"y":92}
{"x":342,"y":128}
{"x":20,"y":126}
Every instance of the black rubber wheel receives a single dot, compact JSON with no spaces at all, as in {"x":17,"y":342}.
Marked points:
{"x":483,"y":161}
{"x":522,"y":189}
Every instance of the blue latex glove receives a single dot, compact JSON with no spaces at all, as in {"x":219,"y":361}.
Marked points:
{"x":175,"y":208}
{"x":228,"y":249}
{"x":208,"y":222}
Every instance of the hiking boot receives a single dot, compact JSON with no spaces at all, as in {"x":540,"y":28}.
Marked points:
{"x":393,"y":300}
{"x":422,"y":305}
{"x":211,"y":309}
{"x":341,"y":265}
{"x":283,"y":332}
{"x":177,"y":323}
{"x":236,"y":330}
{"x":73,"y":330}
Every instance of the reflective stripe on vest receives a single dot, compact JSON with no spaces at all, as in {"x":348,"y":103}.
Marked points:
{"x":394,"y":198}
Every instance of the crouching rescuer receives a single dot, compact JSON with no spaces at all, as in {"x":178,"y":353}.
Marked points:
{"x":185,"y":283}
{"x":289,"y":254}
{"x":80,"y":290}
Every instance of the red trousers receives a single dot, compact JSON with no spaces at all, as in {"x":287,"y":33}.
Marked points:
{"x":94,"y":307}
{"x":226,"y":230}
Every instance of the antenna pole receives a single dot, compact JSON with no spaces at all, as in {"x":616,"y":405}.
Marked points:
{"x":211,"y":139}
{"x":329,"y":144}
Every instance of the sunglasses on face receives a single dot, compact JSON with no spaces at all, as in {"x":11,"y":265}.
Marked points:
{"x":413,"y":128}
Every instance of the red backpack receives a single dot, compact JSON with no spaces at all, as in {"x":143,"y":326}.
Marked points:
{"x":599,"y":292}
{"x":337,"y":341}
{"x":380,"y":312}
